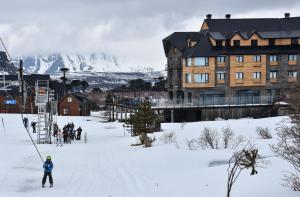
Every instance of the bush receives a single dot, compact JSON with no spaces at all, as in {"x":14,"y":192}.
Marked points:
{"x":264,"y":133}
{"x":168,"y":138}
{"x":209,"y":138}
{"x":192,"y":144}
{"x":228,"y":136}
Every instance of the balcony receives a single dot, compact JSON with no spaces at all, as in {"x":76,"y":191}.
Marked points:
{"x":212,"y":102}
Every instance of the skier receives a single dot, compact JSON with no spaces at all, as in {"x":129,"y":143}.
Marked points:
{"x":79,"y":130}
{"x":59,"y":137}
{"x":48,"y":166}
{"x":33,"y":124}
{"x":55,"y":129}
{"x":25,"y":122}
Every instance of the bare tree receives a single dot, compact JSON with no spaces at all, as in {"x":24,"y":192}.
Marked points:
{"x":264,"y":133}
{"x":209,"y":138}
{"x":245,"y":159}
{"x":288,"y":148}
{"x":168,"y":138}
{"x":228,"y":136}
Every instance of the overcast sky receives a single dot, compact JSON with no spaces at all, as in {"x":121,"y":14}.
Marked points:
{"x":130,"y":29}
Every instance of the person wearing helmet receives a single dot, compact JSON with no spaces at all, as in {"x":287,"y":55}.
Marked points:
{"x":48,"y":166}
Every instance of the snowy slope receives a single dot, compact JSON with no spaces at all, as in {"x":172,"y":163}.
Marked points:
{"x":108,"y":166}
{"x":79,"y":63}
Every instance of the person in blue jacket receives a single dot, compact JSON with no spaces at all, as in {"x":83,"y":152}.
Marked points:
{"x":48,"y":166}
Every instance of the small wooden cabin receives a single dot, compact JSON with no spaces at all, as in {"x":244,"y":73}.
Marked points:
{"x":74,"y":104}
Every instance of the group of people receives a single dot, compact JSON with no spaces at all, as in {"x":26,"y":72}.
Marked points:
{"x":67,"y":134}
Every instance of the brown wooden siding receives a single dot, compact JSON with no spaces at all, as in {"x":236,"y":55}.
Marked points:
{"x":243,"y":42}
{"x":204,"y":26}
{"x":210,"y":69}
{"x":248,"y":67}
{"x":283,"y":42}
{"x":75,"y":108}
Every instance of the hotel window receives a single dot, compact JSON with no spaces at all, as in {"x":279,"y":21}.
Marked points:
{"x":221,"y":59}
{"x":292,"y":74}
{"x":188,"y":78}
{"x":201,"y":61}
{"x":294,"y":41}
{"x":273,"y":74}
{"x":239,"y":58}
{"x":236,"y":43}
{"x":219,"y":43}
{"x":189,"y":61}
{"x":256,"y":58}
{"x":221,"y":75}
{"x":256,"y":75}
{"x":239,"y":75}
{"x":273,"y":58}
{"x":254,"y":43}
{"x":292,"y":57}
{"x":69,"y":99}
{"x":272,"y":42}
{"x":201,"y":78}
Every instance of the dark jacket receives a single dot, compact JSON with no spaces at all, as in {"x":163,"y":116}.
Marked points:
{"x":48,"y":166}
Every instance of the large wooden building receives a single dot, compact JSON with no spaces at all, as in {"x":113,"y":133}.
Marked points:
{"x":234,"y":58}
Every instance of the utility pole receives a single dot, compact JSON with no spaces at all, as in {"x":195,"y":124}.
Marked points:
{"x":21,"y":79}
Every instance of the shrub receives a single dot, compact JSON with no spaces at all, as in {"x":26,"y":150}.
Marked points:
{"x":209,"y":138}
{"x":264,"y":133}
{"x":168,"y":138}
{"x":192,"y":144}
{"x":228,"y":136}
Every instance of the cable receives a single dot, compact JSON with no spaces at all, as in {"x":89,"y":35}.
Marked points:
{"x":5,"y":49}
{"x":21,"y":111}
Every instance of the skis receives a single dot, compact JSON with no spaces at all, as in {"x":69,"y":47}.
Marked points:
{"x":49,"y":186}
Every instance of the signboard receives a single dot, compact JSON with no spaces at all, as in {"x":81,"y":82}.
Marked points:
{"x":10,"y":102}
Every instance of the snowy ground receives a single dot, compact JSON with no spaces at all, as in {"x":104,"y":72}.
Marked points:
{"x":108,"y":166}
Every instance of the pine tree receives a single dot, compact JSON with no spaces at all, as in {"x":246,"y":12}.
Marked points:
{"x":143,"y":120}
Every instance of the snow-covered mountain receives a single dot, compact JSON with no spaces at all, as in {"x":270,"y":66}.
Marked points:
{"x":6,"y":66}
{"x":79,"y":64}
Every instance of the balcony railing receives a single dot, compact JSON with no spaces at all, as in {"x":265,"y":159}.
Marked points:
{"x":212,"y":102}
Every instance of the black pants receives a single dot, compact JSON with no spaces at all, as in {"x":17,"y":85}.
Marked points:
{"x":45,"y":177}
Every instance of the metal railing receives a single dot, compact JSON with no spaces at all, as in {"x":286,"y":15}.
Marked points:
{"x":212,"y":102}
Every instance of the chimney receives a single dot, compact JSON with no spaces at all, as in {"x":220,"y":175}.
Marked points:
{"x":227,"y":16}
{"x":287,"y":15}
{"x":208,"y":16}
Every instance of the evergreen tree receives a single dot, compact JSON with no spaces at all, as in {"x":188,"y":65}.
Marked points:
{"x":143,"y":120}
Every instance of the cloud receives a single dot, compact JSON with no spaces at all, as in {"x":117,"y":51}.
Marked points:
{"x":125,"y":28}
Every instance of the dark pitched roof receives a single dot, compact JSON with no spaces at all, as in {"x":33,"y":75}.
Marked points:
{"x":222,"y":29}
{"x":79,"y":96}
{"x":31,"y":79}
{"x":11,"y":91}
{"x":227,"y":26}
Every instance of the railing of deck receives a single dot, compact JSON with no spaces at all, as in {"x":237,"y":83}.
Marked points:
{"x":212,"y":102}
